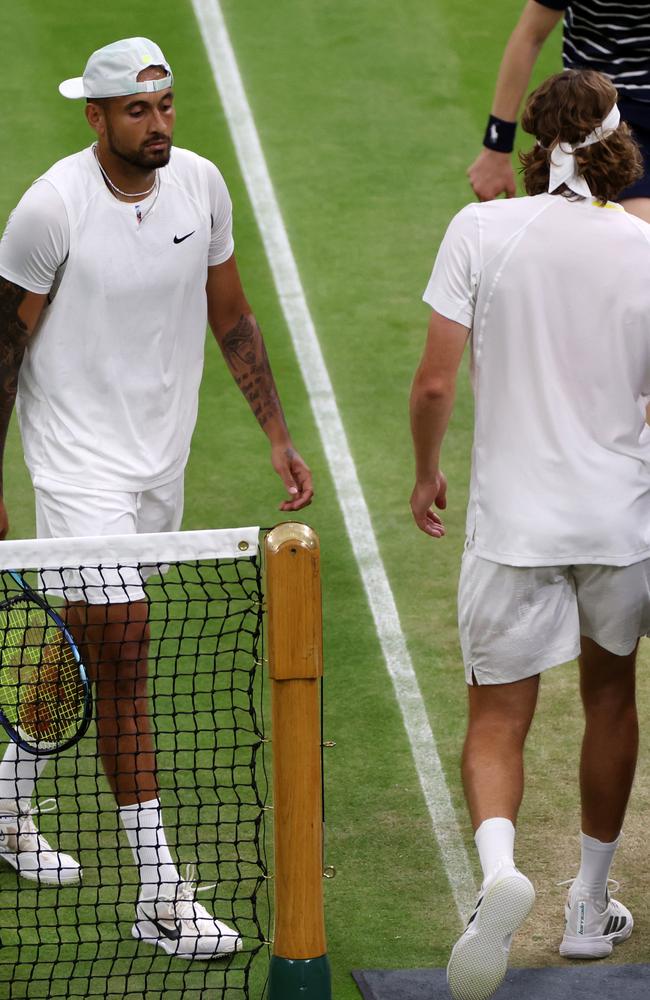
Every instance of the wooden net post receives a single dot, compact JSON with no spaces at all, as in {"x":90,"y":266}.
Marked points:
{"x":299,"y":964}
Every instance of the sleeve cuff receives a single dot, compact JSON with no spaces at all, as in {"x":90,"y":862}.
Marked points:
{"x":29,"y":286}
{"x":222,"y":256}
{"x":553,"y":4}
{"x":458,"y":312}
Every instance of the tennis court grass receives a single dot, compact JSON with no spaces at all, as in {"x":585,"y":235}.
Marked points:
{"x":369,"y":113}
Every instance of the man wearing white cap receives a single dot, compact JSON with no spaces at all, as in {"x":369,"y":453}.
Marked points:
{"x":110,"y":266}
{"x":553,"y":289}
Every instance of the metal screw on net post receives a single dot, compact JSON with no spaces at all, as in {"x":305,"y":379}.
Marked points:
{"x":329,"y":871}
{"x":329,"y":744}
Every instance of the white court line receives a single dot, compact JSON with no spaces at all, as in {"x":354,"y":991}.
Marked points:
{"x":342,"y":467}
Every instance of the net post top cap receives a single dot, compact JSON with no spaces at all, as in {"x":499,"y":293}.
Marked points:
{"x":113,"y":70}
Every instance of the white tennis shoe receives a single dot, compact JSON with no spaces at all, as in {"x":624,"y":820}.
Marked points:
{"x":479,"y":959}
{"x":27,"y":850}
{"x":182,"y":927}
{"x":593,"y":926}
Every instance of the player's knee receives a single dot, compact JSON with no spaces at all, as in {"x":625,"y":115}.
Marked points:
{"x":614,"y":703}
{"x":119,"y":684}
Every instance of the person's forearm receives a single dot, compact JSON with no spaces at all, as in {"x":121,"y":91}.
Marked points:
{"x":515,"y":71}
{"x":531,"y":31}
{"x":245,"y":354}
{"x":430,"y":413}
{"x":14,"y":335}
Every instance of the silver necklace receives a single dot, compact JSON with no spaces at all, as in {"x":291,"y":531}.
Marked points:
{"x":141,"y":216}
{"x":114,"y":187}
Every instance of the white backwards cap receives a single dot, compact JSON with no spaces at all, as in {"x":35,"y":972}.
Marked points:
{"x":563,"y":164}
{"x":113,"y":71}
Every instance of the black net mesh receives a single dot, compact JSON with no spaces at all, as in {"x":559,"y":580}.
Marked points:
{"x":188,"y":669}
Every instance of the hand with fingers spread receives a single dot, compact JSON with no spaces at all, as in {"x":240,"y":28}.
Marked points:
{"x":423,"y":498}
{"x":296,"y":476}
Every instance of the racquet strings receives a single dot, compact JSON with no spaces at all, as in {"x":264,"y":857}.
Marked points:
{"x":41,"y":694}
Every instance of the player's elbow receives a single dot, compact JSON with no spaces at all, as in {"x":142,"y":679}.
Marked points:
{"x":534,"y":26}
{"x":431,"y":386}
{"x":535,"y":42}
{"x":230,"y":319}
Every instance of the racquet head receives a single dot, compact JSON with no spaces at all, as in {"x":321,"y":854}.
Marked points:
{"x":45,"y":702}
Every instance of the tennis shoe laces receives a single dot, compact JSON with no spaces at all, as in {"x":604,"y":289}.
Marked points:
{"x":24,"y":848}
{"x":479,"y":959}
{"x":175,"y":922}
{"x":593,"y":924}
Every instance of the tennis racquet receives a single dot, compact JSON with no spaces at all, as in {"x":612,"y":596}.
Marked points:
{"x":45,"y":698}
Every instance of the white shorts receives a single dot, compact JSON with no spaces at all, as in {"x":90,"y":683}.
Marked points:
{"x":516,"y":621}
{"x":65,"y":511}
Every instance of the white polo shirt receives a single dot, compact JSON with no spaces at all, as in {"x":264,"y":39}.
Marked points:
{"x":557,"y":294}
{"x":108,"y":389}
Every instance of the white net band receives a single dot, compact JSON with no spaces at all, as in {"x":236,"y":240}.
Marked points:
{"x":112,"y":569}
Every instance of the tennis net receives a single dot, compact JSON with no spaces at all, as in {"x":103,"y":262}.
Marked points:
{"x":200,"y":637}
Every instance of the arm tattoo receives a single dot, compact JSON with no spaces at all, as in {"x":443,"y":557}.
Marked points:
{"x":13,"y":339}
{"x":245,"y":354}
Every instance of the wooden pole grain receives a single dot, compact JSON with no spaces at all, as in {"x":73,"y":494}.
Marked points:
{"x":293,"y":593}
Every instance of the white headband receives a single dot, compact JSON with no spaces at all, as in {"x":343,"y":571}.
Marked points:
{"x":563,"y":164}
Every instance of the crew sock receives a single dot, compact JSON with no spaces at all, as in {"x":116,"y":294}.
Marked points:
{"x":144,"y":828}
{"x":495,"y":840}
{"x":19,"y":771}
{"x":595,"y":862}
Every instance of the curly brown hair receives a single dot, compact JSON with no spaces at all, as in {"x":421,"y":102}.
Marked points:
{"x":566,"y":108}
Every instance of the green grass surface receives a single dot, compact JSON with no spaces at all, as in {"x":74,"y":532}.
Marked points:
{"x":369,"y":113}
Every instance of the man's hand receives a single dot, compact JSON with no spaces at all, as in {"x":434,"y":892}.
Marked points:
{"x":423,"y":497}
{"x":296,"y":476}
{"x":4,"y":520}
{"x":491,"y":174}
{"x":242,"y":345}
{"x":430,"y":406}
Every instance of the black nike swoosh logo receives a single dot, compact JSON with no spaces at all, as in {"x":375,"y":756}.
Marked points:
{"x":171,"y":935}
{"x":179,"y":239}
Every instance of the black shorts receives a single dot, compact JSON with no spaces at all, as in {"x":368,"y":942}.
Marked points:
{"x":637,"y":115}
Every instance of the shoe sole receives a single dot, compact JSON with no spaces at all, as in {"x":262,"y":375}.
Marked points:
{"x":40,"y":876}
{"x":148,"y":932}
{"x":479,"y":960}
{"x":573,"y":946}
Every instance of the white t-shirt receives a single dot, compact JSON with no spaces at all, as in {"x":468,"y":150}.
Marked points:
{"x":557,"y":294}
{"x":108,"y":389}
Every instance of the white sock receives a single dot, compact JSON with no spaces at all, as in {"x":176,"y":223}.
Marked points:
{"x":595,"y":861}
{"x":495,"y":840}
{"x":19,"y":771}
{"x":144,"y":828}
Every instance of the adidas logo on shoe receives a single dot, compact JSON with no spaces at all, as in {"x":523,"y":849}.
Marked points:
{"x":592,"y":929}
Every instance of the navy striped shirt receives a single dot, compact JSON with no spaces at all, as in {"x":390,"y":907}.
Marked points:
{"x":611,"y":37}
